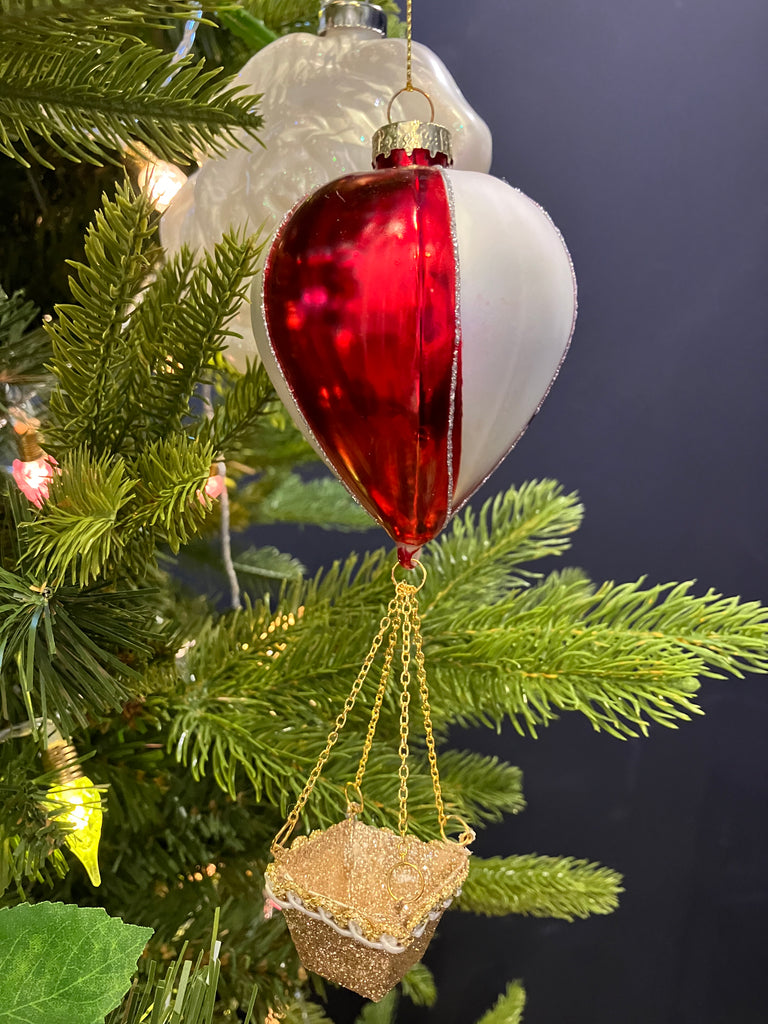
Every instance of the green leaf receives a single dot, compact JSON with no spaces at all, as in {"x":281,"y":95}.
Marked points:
{"x":509,"y":1007}
{"x":64,"y":964}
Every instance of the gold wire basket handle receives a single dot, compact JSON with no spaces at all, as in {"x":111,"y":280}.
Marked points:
{"x":355,"y":800}
{"x":398,"y":888}
{"x":282,"y":835}
{"x":466,"y":835}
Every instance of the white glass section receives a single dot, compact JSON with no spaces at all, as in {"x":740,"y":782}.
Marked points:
{"x":517,"y":312}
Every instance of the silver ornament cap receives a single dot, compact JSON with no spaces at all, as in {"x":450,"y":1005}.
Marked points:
{"x":352,"y":14}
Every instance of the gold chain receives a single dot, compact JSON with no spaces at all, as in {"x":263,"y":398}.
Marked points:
{"x":405,"y":700}
{"x":421,"y":675}
{"x":333,"y":736}
{"x":395,"y":614}
{"x":402,"y":617}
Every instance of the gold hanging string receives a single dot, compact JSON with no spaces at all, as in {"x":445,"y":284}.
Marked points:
{"x":409,"y":50}
{"x":409,"y":86}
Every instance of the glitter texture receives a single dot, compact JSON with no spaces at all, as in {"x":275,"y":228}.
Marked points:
{"x":364,"y":939}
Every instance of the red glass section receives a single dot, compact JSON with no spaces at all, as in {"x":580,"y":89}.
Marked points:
{"x":360,"y":301}
{"x":417,"y":158}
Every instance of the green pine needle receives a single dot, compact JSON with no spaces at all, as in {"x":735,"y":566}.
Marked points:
{"x":509,"y":1007}
{"x":91,"y":353}
{"x":290,"y":499}
{"x":87,"y":95}
{"x":540,"y":887}
{"x":419,"y":986}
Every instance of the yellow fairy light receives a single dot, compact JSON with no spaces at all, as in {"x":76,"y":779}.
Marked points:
{"x":74,"y":801}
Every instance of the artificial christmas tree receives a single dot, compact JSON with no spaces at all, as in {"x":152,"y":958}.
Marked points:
{"x":201,"y":725}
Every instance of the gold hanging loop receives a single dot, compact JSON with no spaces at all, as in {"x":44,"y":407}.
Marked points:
{"x":354,"y":797}
{"x":413,"y":587}
{"x":412,"y":88}
{"x":467,"y":834}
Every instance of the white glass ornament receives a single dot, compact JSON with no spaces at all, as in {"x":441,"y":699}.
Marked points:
{"x":323,"y":99}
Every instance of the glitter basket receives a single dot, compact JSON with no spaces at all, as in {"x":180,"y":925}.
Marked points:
{"x":361,"y":903}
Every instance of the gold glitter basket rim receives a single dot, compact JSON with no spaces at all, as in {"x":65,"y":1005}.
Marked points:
{"x":282,"y":883}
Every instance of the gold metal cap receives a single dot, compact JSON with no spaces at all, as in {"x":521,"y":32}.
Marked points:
{"x":352,"y":14}
{"x":29,"y":446}
{"x":62,"y":758}
{"x":410,"y":135}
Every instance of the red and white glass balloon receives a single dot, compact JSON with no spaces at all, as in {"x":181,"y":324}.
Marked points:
{"x":416,"y":317}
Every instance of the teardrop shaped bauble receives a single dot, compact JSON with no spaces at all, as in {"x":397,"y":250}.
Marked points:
{"x":416,"y":317}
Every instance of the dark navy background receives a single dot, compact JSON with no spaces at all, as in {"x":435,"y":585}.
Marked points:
{"x":641,"y":126}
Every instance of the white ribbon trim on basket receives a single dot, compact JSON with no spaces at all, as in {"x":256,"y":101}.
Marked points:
{"x":386,"y":943}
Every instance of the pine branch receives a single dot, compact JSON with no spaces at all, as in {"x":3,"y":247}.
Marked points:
{"x":247,"y":402}
{"x":127,"y":373}
{"x":539,"y":886}
{"x":17,"y":15}
{"x":59,"y":648}
{"x":78,"y":535}
{"x":86,"y":95}
{"x":478,"y":560}
{"x":383,"y":1012}
{"x":188,"y":307}
{"x":259,"y":570}
{"x":623,"y":655}
{"x":91,"y":354}
{"x":23,"y":352}
{"x":277,"y":498}
{"x":508,"y":1008}
{"x":233,"y":720}
{"x":276,"y":444}
{"x":236,"y":711}
{"x":419,"y":986}
{"x":28,"y":851}
{"x":186,"y":991}
{"x":171,"y":474}
{"x":484,"y":787}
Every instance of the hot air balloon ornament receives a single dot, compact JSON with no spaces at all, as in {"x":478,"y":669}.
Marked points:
{"x":416,"y":317}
